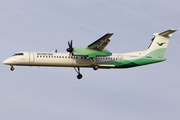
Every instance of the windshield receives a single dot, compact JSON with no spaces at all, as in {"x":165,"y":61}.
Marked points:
{"x":18,"y":54}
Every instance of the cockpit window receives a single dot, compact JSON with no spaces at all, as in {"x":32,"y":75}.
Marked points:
{"x":18,"y":54}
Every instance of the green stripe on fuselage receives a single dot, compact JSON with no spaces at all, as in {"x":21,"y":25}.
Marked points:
{"x":132,"y":62}
{"x":139,"y":62}
{"x":157,"y":53}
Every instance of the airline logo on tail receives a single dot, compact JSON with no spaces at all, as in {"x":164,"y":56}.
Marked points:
{"x":160,"y":44}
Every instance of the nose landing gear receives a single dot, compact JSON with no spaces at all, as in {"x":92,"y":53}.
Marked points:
{"x":12,"y":68}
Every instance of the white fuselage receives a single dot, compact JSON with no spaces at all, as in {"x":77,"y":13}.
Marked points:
{"x":51,"y":59}
{"x":67,"y":60}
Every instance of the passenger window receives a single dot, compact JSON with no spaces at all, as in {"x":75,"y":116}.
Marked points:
{"x":54,"y":56}
{"x":62,"y":56}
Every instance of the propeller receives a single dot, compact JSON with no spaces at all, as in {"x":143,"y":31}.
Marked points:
{"x":70,"y":49}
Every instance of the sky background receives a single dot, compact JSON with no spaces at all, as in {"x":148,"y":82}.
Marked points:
{"x":149,"y":92}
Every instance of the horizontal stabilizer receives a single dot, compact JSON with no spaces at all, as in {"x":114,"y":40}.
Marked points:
{"x":167,"y":33}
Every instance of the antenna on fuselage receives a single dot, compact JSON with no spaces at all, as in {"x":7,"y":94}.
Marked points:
{"x":55,"y":51}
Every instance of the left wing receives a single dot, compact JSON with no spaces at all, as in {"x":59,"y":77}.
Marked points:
{"x":101,"y":43}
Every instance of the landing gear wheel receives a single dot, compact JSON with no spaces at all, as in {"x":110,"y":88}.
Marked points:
{"x":79,"y":76}
{"x":12,"y":68}
{"x":95,"y":67}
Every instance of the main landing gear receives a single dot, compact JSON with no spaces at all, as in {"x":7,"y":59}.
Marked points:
{"x":93,"y":60}
{"x":95,"y":67}
{"x":79,"y":76}
{"x":12,"y":68}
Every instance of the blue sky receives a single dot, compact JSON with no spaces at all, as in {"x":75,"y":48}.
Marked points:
{"x":147,"y":92}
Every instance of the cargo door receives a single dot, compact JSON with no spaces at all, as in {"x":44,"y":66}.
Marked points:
{"x":120,"y":60}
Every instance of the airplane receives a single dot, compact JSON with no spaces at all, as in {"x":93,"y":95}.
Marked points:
{"x":95,"y":55}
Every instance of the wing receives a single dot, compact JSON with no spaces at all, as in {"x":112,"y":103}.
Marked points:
{"x":101,"y":43}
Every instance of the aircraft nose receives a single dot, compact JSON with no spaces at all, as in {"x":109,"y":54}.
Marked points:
{"x":7,"y":62}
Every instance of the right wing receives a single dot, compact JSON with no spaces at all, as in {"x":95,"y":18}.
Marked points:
{"x":101,"y":43}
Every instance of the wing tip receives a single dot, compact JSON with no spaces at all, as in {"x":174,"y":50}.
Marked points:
{"x":111,"y":33}
{"x":173,"y":30}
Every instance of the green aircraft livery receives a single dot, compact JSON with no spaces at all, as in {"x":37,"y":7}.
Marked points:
{"x":160,"y":44}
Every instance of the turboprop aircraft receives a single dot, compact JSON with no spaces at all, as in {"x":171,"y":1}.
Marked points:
{"x":94,"y":55}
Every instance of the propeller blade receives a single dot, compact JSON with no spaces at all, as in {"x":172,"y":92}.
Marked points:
{"x":70,"y":49}
{"x":71,"y":43}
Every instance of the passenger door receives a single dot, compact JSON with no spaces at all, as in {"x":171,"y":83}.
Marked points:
{"x":31,"y":57}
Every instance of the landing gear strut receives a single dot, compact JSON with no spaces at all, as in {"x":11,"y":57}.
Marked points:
{"x":12,"y":68}
{"x":79,"y":76}
{"x":93,"y":60}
